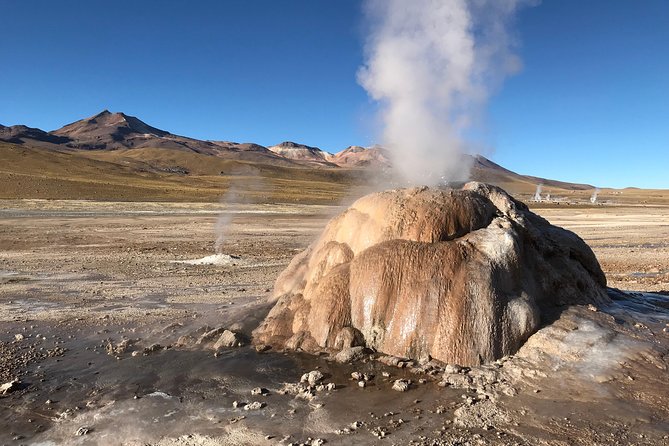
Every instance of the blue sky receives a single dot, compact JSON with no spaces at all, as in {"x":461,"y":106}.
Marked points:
{"x":591,"y":104}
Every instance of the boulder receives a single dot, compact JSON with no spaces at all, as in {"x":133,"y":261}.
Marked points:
{"x":209,"y":335}
{"x":350,"y":354}
{"x":228,"y":339}
{"x":459,"y":275}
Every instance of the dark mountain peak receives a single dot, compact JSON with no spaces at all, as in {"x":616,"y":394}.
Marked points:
{"x":94,"y":119}
{"x":106,"y":124}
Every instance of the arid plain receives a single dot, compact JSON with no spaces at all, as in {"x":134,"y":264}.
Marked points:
{"x":79,"y":277}
{"x":363,"y":222}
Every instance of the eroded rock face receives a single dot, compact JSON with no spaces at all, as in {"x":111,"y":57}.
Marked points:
{"x":459,"y":275}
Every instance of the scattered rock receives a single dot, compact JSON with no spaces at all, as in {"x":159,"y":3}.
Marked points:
{"x":379,"y":432}
{"x":456,"y":380}
{"x":300,"y":390}
{"x":313,"y":377}
{"x":484,"y":413}
{"x":19,"y":337}
{"x":184,"y":341}
{"x":209,"y":336}
{"x":83,"y":430}
{"x":228,"y":339}
{"x":151,"y":349}
{"x":401,"y":385}
{"x":9,"y":387}
{"x":359,"y":376}
{"x":351,"y":428}
{"x":260,"y":391}
{"x":452,"y":368}
{"x":121,"y":347}
{"x":256,"y":405}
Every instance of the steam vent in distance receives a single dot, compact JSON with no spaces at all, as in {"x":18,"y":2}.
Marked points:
{"x":459,"y":275}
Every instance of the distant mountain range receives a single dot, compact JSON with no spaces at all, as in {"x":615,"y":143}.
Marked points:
{"x":113,"y":131}
{"x":127,"y":141}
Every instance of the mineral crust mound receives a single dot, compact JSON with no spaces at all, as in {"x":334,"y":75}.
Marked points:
{"x":459,"y":275}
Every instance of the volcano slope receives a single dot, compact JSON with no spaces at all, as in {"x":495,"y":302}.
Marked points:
{"x":461,"y":276}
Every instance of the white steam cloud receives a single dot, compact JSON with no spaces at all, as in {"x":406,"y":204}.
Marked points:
{"x":432,"y":65}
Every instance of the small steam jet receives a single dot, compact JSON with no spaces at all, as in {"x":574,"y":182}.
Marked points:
{"x":537,"y":194}
{"x":593,"y":197}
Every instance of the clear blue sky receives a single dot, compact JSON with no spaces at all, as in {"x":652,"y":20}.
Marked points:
{"x":591,"y":104}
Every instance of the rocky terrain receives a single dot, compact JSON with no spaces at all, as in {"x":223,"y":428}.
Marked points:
{"x":111,"y":316}
{"x":127,"y":314}
{"x":462,"y":276}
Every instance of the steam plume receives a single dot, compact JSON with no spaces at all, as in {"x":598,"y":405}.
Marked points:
{"x":537,"y":193}
{"x":432,"y":64}
{"x":593,"y":197}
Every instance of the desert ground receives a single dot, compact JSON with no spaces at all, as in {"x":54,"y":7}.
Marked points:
{"x":97,"y":309}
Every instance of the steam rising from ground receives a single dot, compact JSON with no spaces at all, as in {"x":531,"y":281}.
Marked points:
{"x":432,"y":64}
{"x":593,"y":197}
{"x":537,"y":193}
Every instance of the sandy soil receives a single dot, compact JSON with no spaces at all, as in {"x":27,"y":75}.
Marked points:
{"x":77,"y":278}
{"x":631,"y":242}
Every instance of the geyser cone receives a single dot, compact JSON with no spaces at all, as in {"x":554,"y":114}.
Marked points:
{"x":460,"y":275}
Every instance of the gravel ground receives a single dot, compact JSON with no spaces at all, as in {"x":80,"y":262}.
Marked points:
{"x":99,"y":324}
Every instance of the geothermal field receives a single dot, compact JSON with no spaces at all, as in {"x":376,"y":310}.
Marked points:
{"x":122,"y":325}
{"x":488,"y":264}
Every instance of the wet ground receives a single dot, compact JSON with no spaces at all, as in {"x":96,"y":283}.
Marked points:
{"x":76,"y":277}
